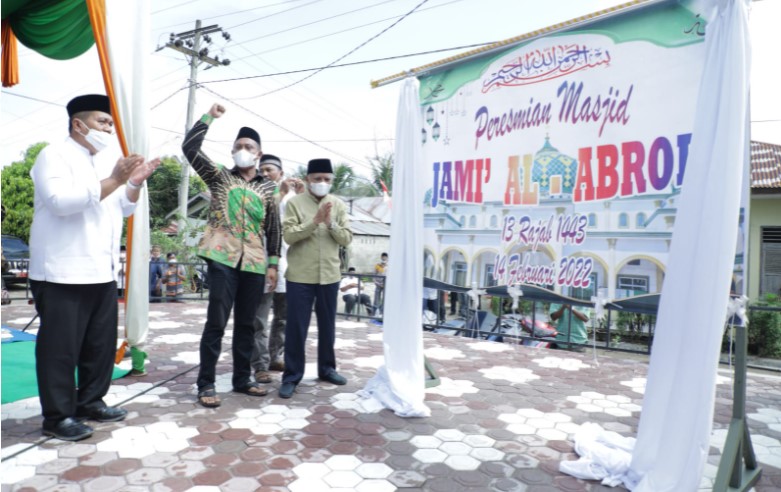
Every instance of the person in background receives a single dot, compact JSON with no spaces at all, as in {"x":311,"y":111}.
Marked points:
{"x":172,"y":280}
{"x":315,"y":226}
{"x":571,"y":325}
{"x":349,"y":287}
{"x":268,"y":352}
{"x":156,"y":266}
{"x":381,"y":270}
{"x":121,"y":274}
{"x":81,"y":194}
{"x":241,"y":246}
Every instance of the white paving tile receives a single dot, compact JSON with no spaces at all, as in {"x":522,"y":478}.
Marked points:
{"x":342,"y":462}
{"x":311,"y":470}
{"x":429,"y":456}
{"x":374,"y":470}
{"x":346,"y":479}
{"x":36,"y":456}
{"x":455,"y":448}
{"x":479,"y":441}
{"x":512,"y":374}
{"x":307,"y":484}
{"x":426,"y":442}
{"x":462,"y":463}
{"x":449,"y":435}
{"x":374,"y":486}
{"x":487,"y":454}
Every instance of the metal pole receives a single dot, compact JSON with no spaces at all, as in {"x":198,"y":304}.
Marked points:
{"x":184,"y":186}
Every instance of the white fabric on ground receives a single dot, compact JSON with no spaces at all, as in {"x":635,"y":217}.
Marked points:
{"x":399,"y":384}
{"x":604,"y":455}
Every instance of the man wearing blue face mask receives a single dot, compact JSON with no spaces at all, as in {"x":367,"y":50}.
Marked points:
{"x":315,"y":226}
{"x":241,"y":245}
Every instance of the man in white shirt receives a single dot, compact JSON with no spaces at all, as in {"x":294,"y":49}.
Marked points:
{"x":349,"y":288}
{"x":81,"y":195}
{"x":268,"y":352}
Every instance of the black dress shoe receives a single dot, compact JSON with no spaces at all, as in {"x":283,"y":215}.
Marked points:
{"x":68,"y":429}
{"x":105,"y":414}
{"x":334,"y":377}
{"x":287,"y":390}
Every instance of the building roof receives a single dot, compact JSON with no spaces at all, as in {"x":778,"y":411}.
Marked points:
{"x":765,"y":165}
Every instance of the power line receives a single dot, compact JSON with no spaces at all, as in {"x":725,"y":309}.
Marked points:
{"x":344,"y":56}
{"x":286,"y":141}
{"x":347,"y":30}
{"x":33,"y":98}
{"x":272,"y":15}
{"x":355,"y":161}
{"x":396,"y":57}
{"x":177,"y":91}
{"x":172,"y":7}
{"x":314,"y":22}
{"x":229,"y":14}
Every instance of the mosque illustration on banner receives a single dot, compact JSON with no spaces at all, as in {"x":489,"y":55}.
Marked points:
{"x":554,"y":172}
{"x":628,"y":238}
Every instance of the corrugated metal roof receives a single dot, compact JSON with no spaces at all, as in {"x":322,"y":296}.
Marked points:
{"x":367,"y":228}
{"x":765,"y":165}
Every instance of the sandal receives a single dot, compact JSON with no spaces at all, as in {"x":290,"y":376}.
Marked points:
{"x":252,"y":389}
{"x":208,"y":398}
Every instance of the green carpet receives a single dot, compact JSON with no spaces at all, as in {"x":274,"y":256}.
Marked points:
{"x":18,"y":371}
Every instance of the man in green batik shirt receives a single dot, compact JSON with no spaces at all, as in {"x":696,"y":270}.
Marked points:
{"x":243,"y":226}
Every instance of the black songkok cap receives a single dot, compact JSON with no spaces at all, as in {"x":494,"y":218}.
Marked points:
{"x":247,"y":132}
{"x":270,"y":159}
{"x":320,"y":166}
{"x":89,"y":102}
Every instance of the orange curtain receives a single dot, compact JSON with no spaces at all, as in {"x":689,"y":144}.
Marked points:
{"x":10,"y":71}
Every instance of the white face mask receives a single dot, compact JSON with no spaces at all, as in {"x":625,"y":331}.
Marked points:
{"x":319,"y":189}
{"x":244,"y":159}
{"x":98,"y":139}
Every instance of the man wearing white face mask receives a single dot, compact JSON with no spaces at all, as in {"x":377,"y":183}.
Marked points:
{"x":315,"y":226}
{"x":241,"y":245}
{"x":81,"y":195}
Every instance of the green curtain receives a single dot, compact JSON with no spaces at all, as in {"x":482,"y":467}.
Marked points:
{"x":58,"y":29}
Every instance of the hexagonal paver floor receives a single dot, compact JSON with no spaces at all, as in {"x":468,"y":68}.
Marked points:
{"x":502,"y":418}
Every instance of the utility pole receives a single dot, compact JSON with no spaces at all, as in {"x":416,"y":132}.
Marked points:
{"x":189,"y":43}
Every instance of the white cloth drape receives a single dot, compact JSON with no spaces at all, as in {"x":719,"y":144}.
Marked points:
{"x":128,"y":28}
{"x":399,"y":384}
{"x":677,"y":415}
{"x":675,"y":423}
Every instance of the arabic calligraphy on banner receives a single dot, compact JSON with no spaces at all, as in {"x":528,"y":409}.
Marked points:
{"x":538,"y":65}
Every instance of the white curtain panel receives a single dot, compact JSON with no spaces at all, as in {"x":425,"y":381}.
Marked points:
{"x":128,"y":35}
{"x":677,"y":415}
{"x":399,"y":384}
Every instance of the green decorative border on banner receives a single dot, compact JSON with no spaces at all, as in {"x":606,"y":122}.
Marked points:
{"x":669,"y":25}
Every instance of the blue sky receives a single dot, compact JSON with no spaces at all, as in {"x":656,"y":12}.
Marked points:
{"x":335,"y":108}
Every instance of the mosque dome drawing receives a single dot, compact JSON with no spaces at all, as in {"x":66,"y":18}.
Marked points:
{"x":548,"y":163}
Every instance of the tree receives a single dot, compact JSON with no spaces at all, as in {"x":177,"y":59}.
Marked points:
{"x":17,"y":190}
{"x":382,"y":170}
{"x":162,"y":187}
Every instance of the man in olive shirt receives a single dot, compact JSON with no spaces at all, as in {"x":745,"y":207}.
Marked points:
{"x":314,"y":227}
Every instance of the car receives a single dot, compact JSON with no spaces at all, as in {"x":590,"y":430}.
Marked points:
{"x":16,"y":259}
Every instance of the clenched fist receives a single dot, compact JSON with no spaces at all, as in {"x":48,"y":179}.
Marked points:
{"x":216,"y":110}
